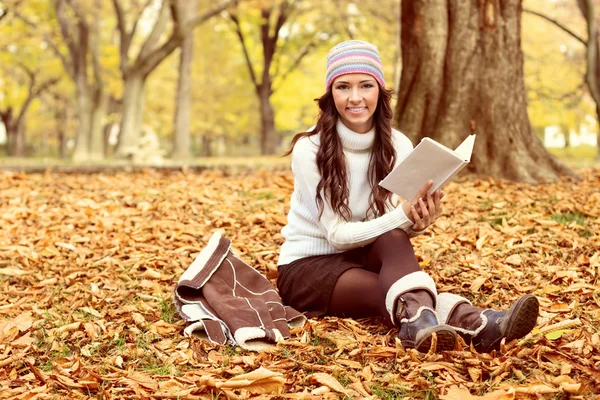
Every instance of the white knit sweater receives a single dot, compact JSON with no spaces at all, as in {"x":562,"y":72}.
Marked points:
{"x":305,"y":235}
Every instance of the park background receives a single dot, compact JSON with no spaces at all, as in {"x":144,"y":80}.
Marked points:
{"x":69,"y":85}
{"x":132,"y":130}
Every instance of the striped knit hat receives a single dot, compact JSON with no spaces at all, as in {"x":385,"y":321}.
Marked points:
{"x":354,"y":56}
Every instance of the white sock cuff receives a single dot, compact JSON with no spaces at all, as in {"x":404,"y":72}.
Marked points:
{"x":413,"y":281}
{"x":446,"y":303}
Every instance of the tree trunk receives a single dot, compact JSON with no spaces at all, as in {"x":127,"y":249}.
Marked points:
{"x":20,"y":143}
{"x":206,"y":146}
{"x":463,"y":73}
{"x":598,"y":132}
{"x":100,"y":106}
{"x":84,"y":115}
{"x":268,"y":134}
{"x":133,"y":109}
{"x":181,"y":131}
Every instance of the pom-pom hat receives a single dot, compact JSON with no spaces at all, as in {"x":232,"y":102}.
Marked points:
{"x":354,"y":57}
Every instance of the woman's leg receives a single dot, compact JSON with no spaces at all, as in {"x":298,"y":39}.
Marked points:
{"x":393,"y":285}
{"x":357,"y":295}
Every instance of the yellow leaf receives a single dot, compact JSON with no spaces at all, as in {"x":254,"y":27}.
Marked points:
{"x":477,"y":283}
{"x":456,"y":393}
{"x":8,"y":271}
{"x":556,"y":334}
{"x":259,"y":381}
{"x":327,"y":380}
{"x":24,"y":321}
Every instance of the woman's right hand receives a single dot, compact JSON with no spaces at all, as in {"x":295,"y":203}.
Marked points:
{"x":424,"y":208}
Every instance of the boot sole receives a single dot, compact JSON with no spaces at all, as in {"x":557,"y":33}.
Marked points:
{"x":446,"y":339}
{"x":521,"y":318}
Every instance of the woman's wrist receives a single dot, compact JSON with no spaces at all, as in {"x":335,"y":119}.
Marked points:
{"x":406,"y":208}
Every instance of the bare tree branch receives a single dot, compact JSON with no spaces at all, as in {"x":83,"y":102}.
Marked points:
{"x":305,"y":51}
{"x":238,"y":31}
{"x":157,"y":31}
{"x":125,"y":38}
{"x":96,"y":65}
{"x":65,"y":28}
{"x":211,"y":13}
{"x":151,"y":61}
{"x":558,"y":24}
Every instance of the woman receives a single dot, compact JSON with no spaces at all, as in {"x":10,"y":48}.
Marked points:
{"x":347,"y":249}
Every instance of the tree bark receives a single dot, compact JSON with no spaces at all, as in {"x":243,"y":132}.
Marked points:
{"x":463,"y":73}
{"x":268,"y":137}
{"x":181,"y":129}
{"x":131,"y":119}
{"x":84,"y":116}
{"x":15,"y":142}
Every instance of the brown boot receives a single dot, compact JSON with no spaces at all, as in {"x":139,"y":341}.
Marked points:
{"x":418,"y":322}
{"x":411,"y":304}
{"x":485,"y":329}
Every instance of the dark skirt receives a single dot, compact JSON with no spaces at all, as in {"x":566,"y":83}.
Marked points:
{"x":307,"y":284}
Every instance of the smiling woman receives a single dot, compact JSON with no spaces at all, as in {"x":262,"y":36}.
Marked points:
{"x":347,"y":249}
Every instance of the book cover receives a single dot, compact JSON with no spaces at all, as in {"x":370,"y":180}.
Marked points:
{"x":429,"y":160}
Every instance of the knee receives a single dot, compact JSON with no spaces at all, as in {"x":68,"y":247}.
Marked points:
{"x":395,"y":237}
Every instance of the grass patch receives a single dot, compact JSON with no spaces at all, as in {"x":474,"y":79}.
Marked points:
{"x":388,"y":393}
{"x":576,"y":217}
{"x":167,"y":311}
{"x":579,"y":154}
{"x":569,"y":217}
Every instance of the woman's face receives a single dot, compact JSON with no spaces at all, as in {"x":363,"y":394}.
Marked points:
{"x":355,"y":97}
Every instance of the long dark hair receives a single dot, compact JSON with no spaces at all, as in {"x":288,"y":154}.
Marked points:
{"x":331,"y":160}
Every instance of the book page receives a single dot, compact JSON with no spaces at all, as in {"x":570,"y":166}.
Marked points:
{"x":428,"y":160}
{"x":465,"y":149}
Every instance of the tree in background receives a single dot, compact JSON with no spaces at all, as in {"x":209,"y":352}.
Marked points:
{"x":462,"y":73}
{"x":25,"y":74}
{"x":561,"y":103}
{"x":299,"y":39}
{"x":591,"y":44}
{"x":181,"y":127}
{"x":82,"y":64}
{"x":135,"y":70}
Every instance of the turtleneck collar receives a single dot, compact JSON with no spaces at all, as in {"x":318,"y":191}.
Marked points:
{"x":355,"y":141}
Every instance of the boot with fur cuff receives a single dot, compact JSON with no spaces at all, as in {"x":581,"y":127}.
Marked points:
{"x":411,"y":303}
{"x":485,"y":329}
{"x":417,"y":322}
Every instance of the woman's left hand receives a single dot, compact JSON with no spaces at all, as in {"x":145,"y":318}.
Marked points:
{"x":427,"y":210}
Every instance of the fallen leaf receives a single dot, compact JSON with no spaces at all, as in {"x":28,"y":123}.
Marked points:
{"x":259,"y":381}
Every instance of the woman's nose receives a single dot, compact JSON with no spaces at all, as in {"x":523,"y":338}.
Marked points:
{"x":354,"y":95}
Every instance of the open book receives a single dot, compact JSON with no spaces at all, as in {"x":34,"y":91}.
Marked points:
{"x":428,"y":160}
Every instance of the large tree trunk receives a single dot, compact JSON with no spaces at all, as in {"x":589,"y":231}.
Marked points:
{"x":20,"y":142}
{"x":15,"y":140}
{"x":598,"y":132}
{"x":463,"y":73}
{"x":181,"y":132}
{"x":133,"y":109}
{"x":100,"y":106}
{"x":84,"y":115}
{"x":268,"y":134}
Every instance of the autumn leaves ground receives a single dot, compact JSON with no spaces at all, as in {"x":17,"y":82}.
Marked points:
{"x":88,"y":263}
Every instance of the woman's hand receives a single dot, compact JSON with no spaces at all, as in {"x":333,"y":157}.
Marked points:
{"x":424,"y":208}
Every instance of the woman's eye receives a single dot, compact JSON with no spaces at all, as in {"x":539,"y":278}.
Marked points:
{"x":368,"y":86}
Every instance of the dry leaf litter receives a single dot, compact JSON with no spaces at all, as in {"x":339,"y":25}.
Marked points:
{"x":88,"y":264}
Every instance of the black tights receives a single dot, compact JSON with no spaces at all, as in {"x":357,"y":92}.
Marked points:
{"x":361,"y":292}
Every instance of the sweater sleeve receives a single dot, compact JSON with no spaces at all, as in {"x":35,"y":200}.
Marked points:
{"x":343,"y":235}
